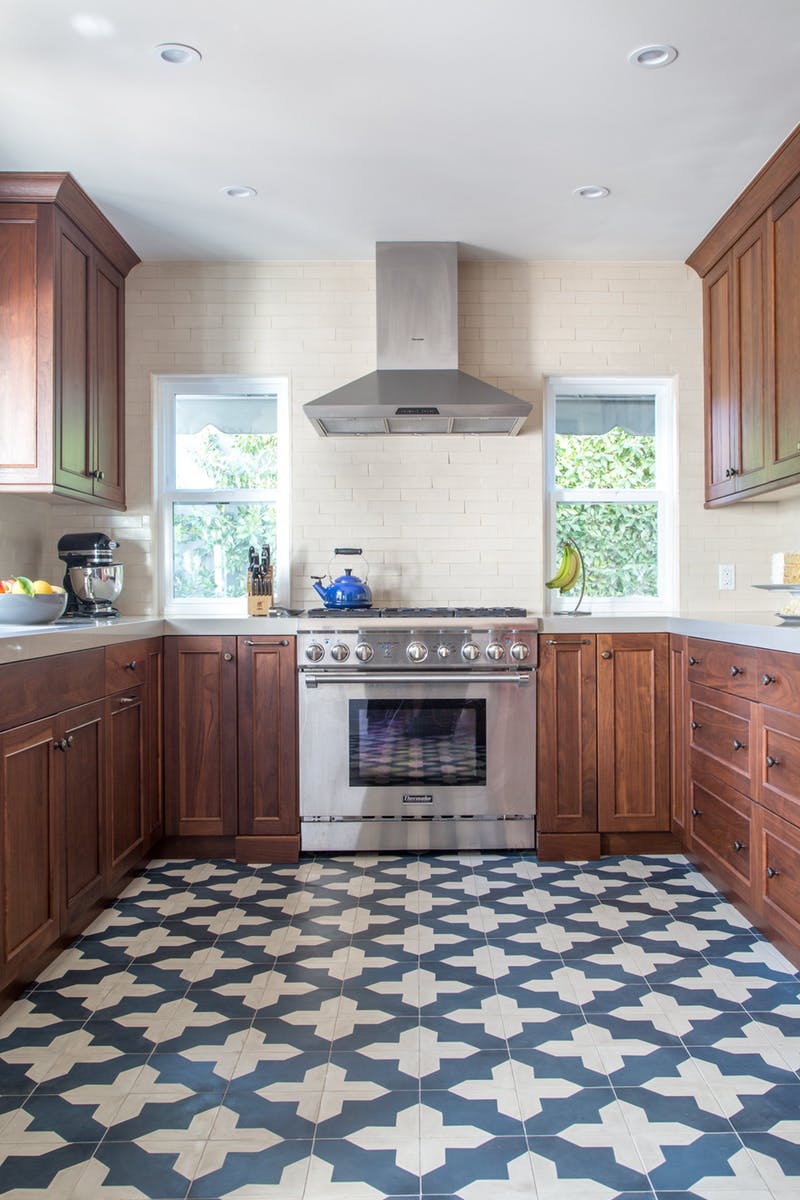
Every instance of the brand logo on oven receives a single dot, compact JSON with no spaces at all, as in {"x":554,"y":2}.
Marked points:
{"x":417,"y":798}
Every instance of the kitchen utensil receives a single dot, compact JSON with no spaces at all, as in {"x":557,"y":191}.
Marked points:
{"x":346,"y":591}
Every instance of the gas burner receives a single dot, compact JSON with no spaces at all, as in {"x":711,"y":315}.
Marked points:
{"x":417,"y":613}
{"x":361,"y":613}
{"x":489,"y":612}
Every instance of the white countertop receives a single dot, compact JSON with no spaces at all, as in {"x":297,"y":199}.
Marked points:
{"x":21,"y":642}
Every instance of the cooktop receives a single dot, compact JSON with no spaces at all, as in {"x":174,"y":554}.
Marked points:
{"x":365,"y":613}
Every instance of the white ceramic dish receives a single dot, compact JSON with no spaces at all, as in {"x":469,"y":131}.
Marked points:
{"x":31,"y":610}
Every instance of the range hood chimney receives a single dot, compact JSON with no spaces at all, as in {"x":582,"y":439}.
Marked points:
{"x":417,"y":388}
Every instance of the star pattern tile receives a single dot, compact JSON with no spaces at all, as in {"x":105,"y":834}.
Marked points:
{"x":381,"y":1027}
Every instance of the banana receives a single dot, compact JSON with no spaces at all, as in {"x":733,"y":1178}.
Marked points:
{"x":572,"y":578}
{"x":565,"y":567}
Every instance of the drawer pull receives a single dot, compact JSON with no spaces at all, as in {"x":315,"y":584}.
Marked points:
{"x":696,"y":725}
{"x":738,"y":846}
{"x":227,"y":656}
{"x":773,"y":762}
{"x":131,"y":666}
{"x":64,"y":744}
{"x":772,"y":872}
{"x":550,"y":642}
{"x":693,"y":662}
{"x":697,"y":812}
{"x":737,"y":745}
{"x":768,"y":679}
{"x":737,"y":671}
{"x":606,"y":654}
{"x":127,"y":699}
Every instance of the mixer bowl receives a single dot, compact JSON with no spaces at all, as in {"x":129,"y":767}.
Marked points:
{"x":96,"y":585}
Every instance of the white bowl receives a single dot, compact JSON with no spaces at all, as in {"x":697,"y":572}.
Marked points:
{"x":31,"y":610}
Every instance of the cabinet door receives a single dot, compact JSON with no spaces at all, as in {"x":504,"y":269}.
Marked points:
{"x":72,"y":381}
{"x":108,"y":417}
{"x":777,"y":872}
{"x":720,"y":830}
{"x":567,"y":736}
{"x":785,"y":230}
{"x":154,"y":743}
{"x":268,"y":801}
{"x":633,"y":732}
{"x":777,"y":784}
{"x":125,"y":778}
{"x":752,"y":412}
{"x":82,"y":738}
{"x":719,"y":399}
{"x":678,"y":732}
{"x":200,"y":736}
{"x":31,"y":781}
{"x":20,"y":431}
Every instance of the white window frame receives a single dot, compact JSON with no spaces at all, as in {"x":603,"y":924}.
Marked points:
{"x":165,"y":389}
{"x":664,"y":494}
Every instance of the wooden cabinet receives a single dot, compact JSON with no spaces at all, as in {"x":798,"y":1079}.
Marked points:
{"x":125,"y":781}
{"x":603,"y":743}
{"x":777,"y":873}
{"x":731,"y":668}
{"x":678,"y":726}
{"x":81,"y":749}
{"x":62,"y":272}
{"x":200,"y":733}
{"x":720,"y":828}
{"x":722,"y":736}
{"x":749,"y":264}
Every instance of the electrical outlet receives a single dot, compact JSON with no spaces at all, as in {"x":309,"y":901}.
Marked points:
{"x":727,"y":577}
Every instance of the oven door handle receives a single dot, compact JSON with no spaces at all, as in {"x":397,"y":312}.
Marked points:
{"x":520,"y":678}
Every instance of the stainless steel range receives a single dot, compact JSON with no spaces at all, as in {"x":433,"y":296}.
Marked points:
{"x":417,"y":733}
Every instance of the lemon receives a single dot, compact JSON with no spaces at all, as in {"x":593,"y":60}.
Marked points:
{"x":22,"y":586}
{"x":42,"y":588}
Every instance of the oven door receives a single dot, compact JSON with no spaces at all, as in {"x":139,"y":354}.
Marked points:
{"x":400,"y":762}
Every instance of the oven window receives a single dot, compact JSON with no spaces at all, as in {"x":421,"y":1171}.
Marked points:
{"x":406,"y":742}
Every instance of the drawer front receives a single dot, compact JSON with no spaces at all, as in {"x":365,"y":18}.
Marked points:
{"x":778,"y":783}
{"x":126,"y":664}
{"x":721,"y":736}
{"x":37,"y":688}
{"x":779,"y":874}
{"x":720,"y":825}
{"x":724,"y":665}
{"x":779,"y":680}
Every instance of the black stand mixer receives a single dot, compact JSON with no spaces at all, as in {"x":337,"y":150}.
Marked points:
{"x":92,"y":579}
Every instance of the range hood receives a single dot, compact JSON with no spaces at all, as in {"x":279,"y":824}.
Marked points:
{"x":417,"y":388}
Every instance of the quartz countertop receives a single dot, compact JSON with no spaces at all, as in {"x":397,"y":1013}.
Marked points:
{"x":20,"y":642}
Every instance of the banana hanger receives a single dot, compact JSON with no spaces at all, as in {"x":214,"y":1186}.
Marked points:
{"x":577,"y":611}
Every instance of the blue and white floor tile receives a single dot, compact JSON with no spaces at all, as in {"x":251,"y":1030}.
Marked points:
{"x":380,"y":1027}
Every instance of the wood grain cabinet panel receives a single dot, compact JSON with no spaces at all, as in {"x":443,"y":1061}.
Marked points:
{"x":18,"y":365}
{"x":82,"y":738}
{"x":733,"y":669}
{"x":777,"y":867}
{"x":722,"y":737}
{"x":720,"y":416}
{"x":785,"y":411}
{"x":200,"y":736}
{"x":779,"y":680}
{"x":125,"y":781}
{"x":679,"y":732}
{"x":267,"y":726}
{"x":778,"y":762}
{"x":720,"y":830}
{"x":633,"y":732}
{"x":566,"y":736}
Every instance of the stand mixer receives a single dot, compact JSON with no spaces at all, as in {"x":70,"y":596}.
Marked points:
{"x":92,"y":579}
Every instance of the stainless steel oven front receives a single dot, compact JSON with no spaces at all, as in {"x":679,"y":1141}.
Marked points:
{"x":417,"y":758}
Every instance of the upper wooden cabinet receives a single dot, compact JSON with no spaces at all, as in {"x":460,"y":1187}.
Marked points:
{"x":62,"y":332}
{"x":749,"y":264}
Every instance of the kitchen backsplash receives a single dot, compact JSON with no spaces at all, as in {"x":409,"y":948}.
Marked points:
{"x":440,"y":520}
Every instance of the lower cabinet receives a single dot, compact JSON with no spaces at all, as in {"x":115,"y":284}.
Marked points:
{"x":231,"y":745}
{"x":603,"y":744}
{"x":125,"y":714}
{"x":80,"y":753}
{"x":720,"y":829}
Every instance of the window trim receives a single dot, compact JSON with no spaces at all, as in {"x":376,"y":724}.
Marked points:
{"x":164,"y":390}
{"x":664,"y":494}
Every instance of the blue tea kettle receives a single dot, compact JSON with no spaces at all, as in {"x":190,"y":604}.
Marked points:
{"x":348,"y":591}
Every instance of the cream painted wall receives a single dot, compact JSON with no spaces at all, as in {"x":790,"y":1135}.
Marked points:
{"x":23,"y":537}
{"x":441,"y":520}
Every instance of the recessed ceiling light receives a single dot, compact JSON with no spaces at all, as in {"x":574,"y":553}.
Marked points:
{"x":178,"y":55}
{"x":237,"y":192}
{"x":591,"y":191}
{"x":657,"y":55}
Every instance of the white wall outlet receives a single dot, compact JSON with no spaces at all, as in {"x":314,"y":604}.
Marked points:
{"x":727,"y":577}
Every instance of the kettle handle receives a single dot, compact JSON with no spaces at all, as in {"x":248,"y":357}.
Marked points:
{"x":351,"y":552}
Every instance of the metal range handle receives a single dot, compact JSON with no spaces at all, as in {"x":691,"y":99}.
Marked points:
{"x":521,"y":678}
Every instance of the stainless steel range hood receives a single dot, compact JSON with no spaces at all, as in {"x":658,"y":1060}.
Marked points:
{"x":417,"y":388}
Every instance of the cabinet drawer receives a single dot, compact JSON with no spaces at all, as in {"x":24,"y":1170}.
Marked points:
{"x":721,"y":736}
{"x":37,"y":688}
{"x":778,"y":867}
{"x":724,"y":665}
{"x":720,"y":825}
{"x":778,"y":759}
{"x":779,"y":679}
{"x":126,"y":663}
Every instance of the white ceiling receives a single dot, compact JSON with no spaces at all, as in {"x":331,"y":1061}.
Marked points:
{"x":362,"y":120}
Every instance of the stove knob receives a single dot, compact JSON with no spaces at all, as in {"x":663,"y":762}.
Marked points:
{"x":416,"y":652}
{"x":364,"y":652}
{"x":519,"y":651}
{"x":314,"y":652}
{"x":470,"y":651}
{"x":494,"y":651}
{"x":339,"y":652}
{"x":444,"y":651}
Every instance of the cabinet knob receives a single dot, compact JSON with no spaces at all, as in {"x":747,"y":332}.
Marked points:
{"x":284,"y":641}
{"x":69,"y":740}
{"x":99,"y":475}
{"x":131,"y":666}
{"x":738,"y":846}
{"x":696,"y":725}
{"x":697,"y":812}
{"x":227,"y":656}
{"x":693,"y":662}
{"x":60,"y":744}
{"x":737,"y":671}
{"x":772,"y":872}
{"x":773,"y":762}
{"x":737,"y":745}
{"x":127,"y":699}
{"x":727,"y":472}
{"x":606,"y":654}
{"x":768,"y":679}
{"x":732,"y":471}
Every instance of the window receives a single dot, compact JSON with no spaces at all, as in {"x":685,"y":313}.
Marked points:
{"x":223,"y":470}
{"x":610,"y":479}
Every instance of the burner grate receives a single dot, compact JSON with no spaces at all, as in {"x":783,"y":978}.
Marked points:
{"x":417,"y":613}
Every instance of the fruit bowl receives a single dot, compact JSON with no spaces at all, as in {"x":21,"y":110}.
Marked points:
{"x":31,"y":610}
